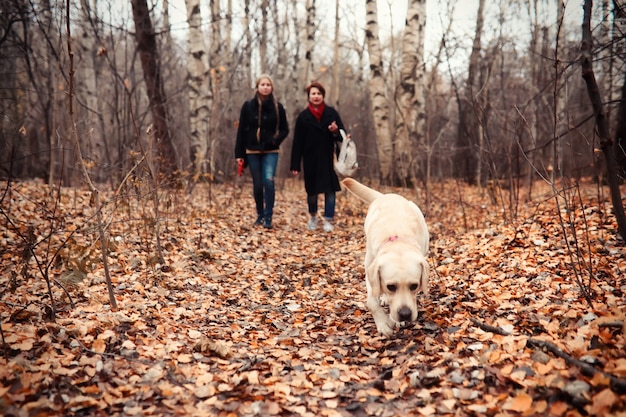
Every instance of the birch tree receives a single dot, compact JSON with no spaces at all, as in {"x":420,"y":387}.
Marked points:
{"x":263,"y":37}
{"x":310,"y":40}
{"x":281,"y":23}
{"x":296,"y":83}
{"x":228,"y":30}
{"x":377,"y":90}
{"x":199,"y":87}
{"x":410,"y":117}
{"x":247,"y":49}
{"x":334,"y":86}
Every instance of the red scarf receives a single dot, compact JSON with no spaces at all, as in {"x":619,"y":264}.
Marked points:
{"x":317,"y":113}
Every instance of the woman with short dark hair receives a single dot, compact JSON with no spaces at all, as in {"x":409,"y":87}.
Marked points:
{"x":315,"y":139}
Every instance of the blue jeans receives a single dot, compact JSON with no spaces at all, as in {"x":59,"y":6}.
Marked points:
{"x":329,"y":204}
{"x":263,"y":169}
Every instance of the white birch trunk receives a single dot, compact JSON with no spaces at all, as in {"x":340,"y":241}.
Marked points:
{"x":263,"y":37}
{"x":410,"y":117}
{"x":247,"y":35}
{"x":228,"y":40}
{"x":334,"y":87}
{"x":378,"y":93}
{"x":295,"y":94}
{"x":216,"y":80}
{"x":200,"y":93}
{"x":309,"y":73}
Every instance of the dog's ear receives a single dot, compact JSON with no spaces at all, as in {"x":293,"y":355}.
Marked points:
{"x":373,"y":276}
{"x":424,"y":277}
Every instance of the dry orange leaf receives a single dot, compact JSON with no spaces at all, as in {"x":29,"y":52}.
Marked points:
{"x":521,"y":403}
{"x":602,"y":402}
{"x":99,"y":346}
{"x":558,"y":408}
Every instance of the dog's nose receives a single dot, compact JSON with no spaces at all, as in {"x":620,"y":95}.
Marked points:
{"x":405,"y":314}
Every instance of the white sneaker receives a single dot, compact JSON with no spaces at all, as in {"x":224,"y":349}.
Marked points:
{"x":312,"y":223}
{"x":327,"y":226}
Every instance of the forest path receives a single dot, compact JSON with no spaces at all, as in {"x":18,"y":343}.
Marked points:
{"x":244,"y":321}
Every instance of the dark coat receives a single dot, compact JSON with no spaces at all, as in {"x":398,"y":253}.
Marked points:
{"x":249,"y":123}
{"x":313,"y":147}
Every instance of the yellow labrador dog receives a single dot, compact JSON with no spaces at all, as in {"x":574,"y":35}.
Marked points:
{"x":396,"y":267}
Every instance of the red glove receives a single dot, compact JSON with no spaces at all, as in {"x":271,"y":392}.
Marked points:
{"x":240,"y":167}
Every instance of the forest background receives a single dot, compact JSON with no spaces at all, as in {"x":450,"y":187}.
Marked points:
{"x":117,"y":135}
{"x":491,"y":92}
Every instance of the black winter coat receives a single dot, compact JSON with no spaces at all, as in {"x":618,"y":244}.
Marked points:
{"x":313,"y":146}
{"x":249,"y":123}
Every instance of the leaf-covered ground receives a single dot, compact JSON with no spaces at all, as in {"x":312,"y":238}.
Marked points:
{"x":242,"y":321}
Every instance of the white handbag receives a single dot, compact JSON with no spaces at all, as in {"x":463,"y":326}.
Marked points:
{"x":346,"y":162}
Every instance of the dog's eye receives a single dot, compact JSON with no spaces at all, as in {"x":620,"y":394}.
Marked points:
{"x":392,"y":287}
{"x":414,"y":287}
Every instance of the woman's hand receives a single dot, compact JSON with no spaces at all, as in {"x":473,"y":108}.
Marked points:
{"x":333,"y":127}
{"x":294,"y":172}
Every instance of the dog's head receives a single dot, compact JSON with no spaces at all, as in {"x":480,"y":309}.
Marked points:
{"x":399,"y":275}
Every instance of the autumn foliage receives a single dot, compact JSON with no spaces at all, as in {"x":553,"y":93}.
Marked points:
{"x":526,"y":314}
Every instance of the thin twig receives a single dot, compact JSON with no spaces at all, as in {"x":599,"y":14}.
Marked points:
{"x":489,"y":328}
{"x":617,"y":384}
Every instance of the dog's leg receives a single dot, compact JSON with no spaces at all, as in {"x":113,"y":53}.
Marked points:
{"x":384,"y":323}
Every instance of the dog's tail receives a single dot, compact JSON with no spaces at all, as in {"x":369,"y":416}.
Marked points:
{"x":363,"y":192}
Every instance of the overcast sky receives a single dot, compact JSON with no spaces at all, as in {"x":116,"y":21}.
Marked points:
{"x":392,"y":14}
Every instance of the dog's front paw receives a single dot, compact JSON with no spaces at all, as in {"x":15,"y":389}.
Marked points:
{"x":385,"y":326}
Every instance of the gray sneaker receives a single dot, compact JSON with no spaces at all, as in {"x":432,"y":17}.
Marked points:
{"x":328,"y":227}
{"x":312,"y":225}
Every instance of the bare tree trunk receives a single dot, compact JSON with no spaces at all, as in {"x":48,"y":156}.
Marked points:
{"x":247,"y":35}
{"x":410,"y":117}
{"x":378,"y":93}
{"x":281,"y":23}
{"x":52,"y":99}
{"x":200,"y":94}
{"x":532,"y":115}
{"x":606,"y":57}
{"x":602,"y":125}
{"x":620,"y":134}
{"x":95,"y":193}
{"x":216,"y":34}
{"x":87,"y":92}
{"x":228,"y":41}
{"x":309,"y":72}
{"x":282,"y":90}
{"x":149,"y":55}
{"x":296,"y":83}
{"x":467,"y":138}
{"x":334,"y":86}
{"x":216,"y":79}
{"x":431,"y":87}
{"x":263,"y":37}
{"x":560,"y":94}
